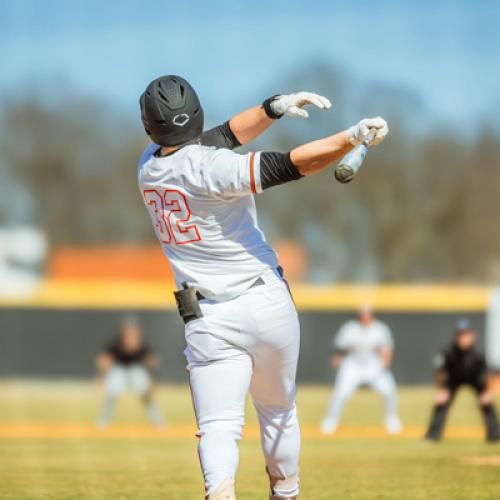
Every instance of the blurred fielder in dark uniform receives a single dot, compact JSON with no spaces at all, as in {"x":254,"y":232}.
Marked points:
{"x":127,"y":363}
{"x":462,"y":364}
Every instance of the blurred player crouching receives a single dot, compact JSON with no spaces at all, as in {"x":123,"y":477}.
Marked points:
{"x":363,"y":355}
{"x":128,"y":363}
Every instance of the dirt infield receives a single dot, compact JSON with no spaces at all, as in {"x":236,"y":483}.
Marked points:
{"x":487,"y":460}
{"x":84,"y":431}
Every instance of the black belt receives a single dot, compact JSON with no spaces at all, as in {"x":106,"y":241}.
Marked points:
{"x":258,"y":282}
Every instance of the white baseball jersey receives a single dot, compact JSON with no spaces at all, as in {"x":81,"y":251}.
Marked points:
{"x":363,"y":342}
{"x":200,"y":200}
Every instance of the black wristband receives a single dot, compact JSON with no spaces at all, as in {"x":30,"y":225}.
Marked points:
{"x":269,"y":111}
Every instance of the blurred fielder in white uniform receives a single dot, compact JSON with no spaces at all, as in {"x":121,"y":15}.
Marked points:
{"x":127,"y":364}
{"x":363,"y":357}
{"x":242,"y":330}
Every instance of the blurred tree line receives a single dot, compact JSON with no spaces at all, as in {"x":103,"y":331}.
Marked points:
{"x":424,"y":208}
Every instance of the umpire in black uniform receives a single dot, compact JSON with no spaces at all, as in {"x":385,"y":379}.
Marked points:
{"x":462,"y":364}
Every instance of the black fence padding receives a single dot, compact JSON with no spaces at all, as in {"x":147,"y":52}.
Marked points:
{"x":64,"y":343}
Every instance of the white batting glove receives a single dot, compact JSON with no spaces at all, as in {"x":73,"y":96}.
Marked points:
{"x":292,"y":104}
{"x":361,"y":131}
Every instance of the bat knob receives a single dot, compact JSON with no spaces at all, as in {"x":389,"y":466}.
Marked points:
{"x":344,"y":174}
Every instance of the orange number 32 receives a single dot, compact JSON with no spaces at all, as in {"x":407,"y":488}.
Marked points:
{"x":170,"y":213}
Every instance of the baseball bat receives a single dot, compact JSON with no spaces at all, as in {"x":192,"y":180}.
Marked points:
{"x":352,"y":161}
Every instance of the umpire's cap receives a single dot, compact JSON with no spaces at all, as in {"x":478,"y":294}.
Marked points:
{"x":171,"y":111}
{"x":463,"y":325}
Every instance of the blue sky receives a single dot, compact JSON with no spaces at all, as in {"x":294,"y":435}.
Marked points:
{"x":235,"y":52}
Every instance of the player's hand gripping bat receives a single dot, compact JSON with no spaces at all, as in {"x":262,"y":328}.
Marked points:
{"x":349,"y":165}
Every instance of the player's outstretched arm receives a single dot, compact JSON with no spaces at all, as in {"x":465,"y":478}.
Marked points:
{"x":256,"y":172}
{"x":316,"y":156}
{"x":249,"y":124}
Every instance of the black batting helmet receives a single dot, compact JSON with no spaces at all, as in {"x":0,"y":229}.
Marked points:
{"x":171,"y":111}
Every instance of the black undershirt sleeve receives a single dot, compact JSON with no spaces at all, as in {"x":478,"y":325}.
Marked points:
{"x":221,"y":137}
{"x":276,"y":169}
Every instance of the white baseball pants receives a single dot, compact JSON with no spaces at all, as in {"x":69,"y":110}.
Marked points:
{"x":351,"y":375}
{"x":120,"y":378}
{"x":250,"y":343}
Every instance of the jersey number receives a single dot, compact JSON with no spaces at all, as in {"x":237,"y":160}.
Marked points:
{"x":171,"y":215}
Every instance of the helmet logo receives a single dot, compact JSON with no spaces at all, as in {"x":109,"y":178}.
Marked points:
{"x":180,"y":120}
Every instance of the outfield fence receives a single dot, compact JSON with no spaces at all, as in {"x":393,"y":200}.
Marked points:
{"x":58,"y":329}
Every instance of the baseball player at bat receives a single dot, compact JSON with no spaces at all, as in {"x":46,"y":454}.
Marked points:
{"x":241,"y":326}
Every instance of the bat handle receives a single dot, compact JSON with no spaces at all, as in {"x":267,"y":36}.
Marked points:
{"x":371,"y":136}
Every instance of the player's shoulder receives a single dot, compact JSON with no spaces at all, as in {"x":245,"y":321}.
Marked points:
{"x":147,"y":154}
{"x":381,"y":325}
{"x":213,"y":157}
{"x":349,"y":325}
{"x":447,"y":352}
{"x":478,"y":355}
{"x":200,"y":163}
{"x":177,"y":167}
{"x":188,"y":157}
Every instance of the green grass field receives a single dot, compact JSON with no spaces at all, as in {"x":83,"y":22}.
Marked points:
{"x":50,"y":450}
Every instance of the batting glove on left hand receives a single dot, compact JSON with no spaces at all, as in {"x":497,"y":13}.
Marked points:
{"x":292,"y":104}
